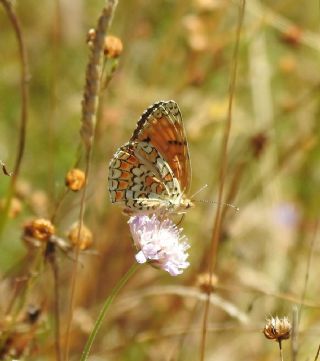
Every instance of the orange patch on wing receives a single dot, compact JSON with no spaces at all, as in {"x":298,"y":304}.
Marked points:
{"x":132,"y":159}
{"x":125,"y":175}
{"x":126,"y":166}
{"x":159,"y":188}
{"x":122,"y":185}
{"x":119,"y":196}
{"x":148,"y":181}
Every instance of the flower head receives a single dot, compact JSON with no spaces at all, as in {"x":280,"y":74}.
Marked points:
{"x":277,"y":329}
{"x":160,"y":243}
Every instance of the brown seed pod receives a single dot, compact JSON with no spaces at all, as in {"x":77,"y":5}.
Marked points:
{"x":206,"y":284}
{"x":75,"y":179}
{"x":292,"y":36}
{"x":40,"y":229}
{"x":112,"y":47}
{"x":258,"y":144}
{"x":84,"y":240}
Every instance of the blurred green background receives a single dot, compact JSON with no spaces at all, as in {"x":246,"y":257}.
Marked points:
{"x":182,"y":50}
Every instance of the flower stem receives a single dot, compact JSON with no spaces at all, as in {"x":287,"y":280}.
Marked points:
{"x":280,"y":348}
{"x":105,"y":308}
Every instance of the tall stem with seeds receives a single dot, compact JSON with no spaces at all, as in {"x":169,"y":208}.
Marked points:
{"x":88,"y":122}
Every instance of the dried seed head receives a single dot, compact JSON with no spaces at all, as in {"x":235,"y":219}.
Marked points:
{"x":39,"y":202}
{"x":83,"y":240}
{"x":258,"y":144}
{"x":75,"y":179}
{"x":23,"y":189}
{"x":206,"y":284}
{"x":292,"y":36}
{"x":33,"y":313}
{"x":40,"y":229}
{"x":277,"y":329}
{"x":207,"y":5}
{"x":112,"y":47}
{"x":15,"y":207}
{"x":90,"y":37}
{"x":287,"y":64}
{"x":195,"y":33}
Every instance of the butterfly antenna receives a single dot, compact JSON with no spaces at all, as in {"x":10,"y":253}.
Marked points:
{"x":219,"y":204}
{"x":198,"y":191}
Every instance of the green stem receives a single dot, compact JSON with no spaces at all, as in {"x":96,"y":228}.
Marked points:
{"x":105,"y":308}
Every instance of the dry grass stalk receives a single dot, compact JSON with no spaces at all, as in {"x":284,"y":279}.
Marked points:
{"x":24,"y":78}
{"x":222,"y":175}
{"x":93,"y":76}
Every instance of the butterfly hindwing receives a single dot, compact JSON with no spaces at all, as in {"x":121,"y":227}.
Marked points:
{"x":140,"y":178}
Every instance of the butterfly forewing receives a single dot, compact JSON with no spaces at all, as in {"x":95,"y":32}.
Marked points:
{"x":161,"y":125}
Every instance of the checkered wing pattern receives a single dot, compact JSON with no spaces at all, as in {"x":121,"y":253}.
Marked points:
{"x":152,"y":171}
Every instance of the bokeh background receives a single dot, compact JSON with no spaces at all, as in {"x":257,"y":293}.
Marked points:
{"x":268,"y":255}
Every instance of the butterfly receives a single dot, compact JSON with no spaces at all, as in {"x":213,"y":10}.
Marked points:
{"x":152,"y":172}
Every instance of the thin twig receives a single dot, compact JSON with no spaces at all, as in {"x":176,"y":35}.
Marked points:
{"x":55,"y":73}
{"x":222,"y":175}
{"x":303,"y":296}
{"x":294,"y":333}
{"x":24,"y":78}
{"x":317,"y":354}
{"x":306,"y":277}
{"x":52,"y":258}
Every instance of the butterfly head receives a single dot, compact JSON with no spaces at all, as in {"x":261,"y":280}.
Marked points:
{"x":182,"y":205}
{"x":187,"y":203}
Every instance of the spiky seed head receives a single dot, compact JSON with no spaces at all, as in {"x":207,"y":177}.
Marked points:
{"x":277,"y":329}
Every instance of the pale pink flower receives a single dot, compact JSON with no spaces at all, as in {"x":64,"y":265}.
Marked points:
{"x":160,"y":243}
